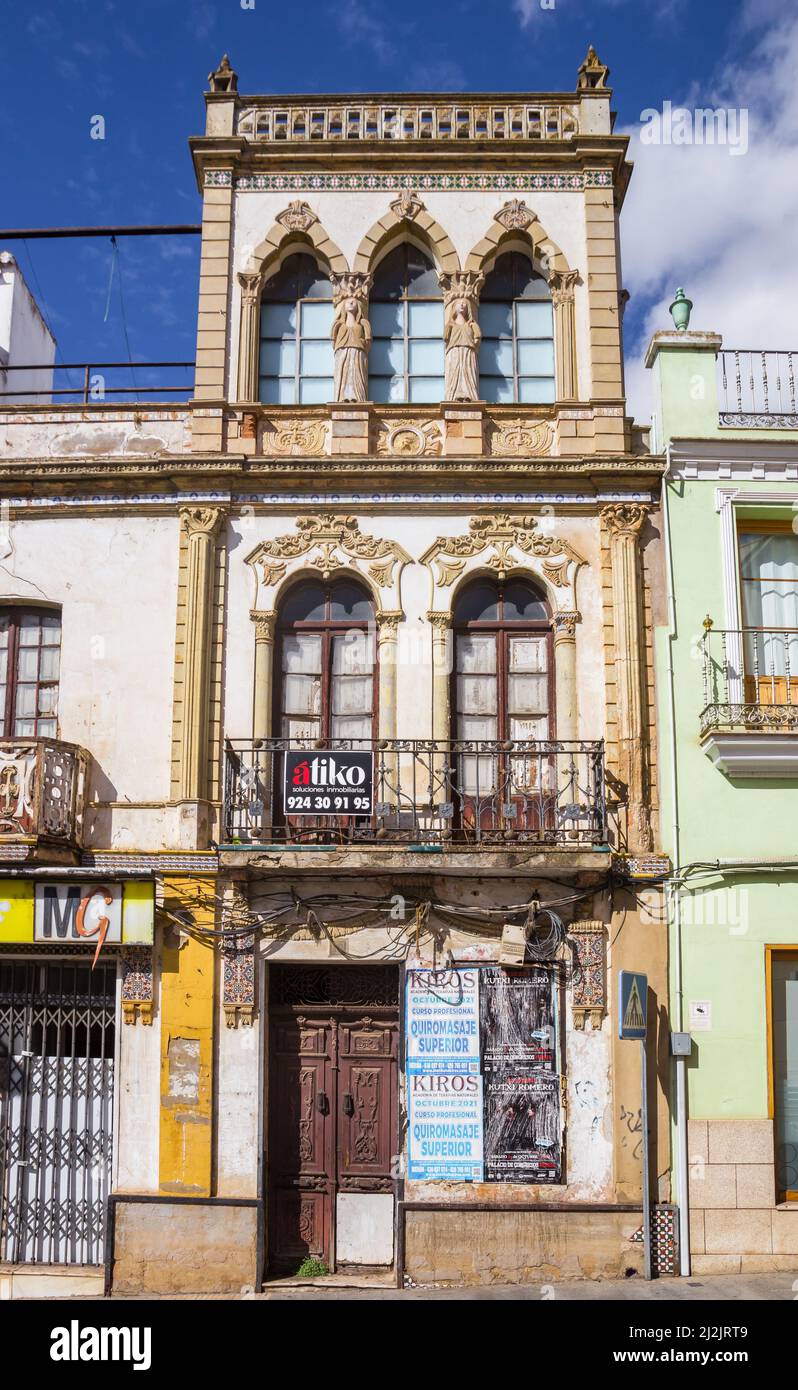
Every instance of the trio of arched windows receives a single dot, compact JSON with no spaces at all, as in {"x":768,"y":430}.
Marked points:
{"x":406,"y":361}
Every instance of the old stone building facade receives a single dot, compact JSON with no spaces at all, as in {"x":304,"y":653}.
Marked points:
{"x":355,"y":681}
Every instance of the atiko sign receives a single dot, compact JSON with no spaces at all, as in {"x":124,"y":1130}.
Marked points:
{"x":326,"y":782}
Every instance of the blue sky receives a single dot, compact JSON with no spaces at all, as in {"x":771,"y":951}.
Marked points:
{"x":697,"y":217}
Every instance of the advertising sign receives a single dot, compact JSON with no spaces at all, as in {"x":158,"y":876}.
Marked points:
{"x":522,"y":1127}
{"x":445,"y":1126}
{"x":76,"y":912}
{"x":327,"y":782}
{"x":442,"y":1021}
{"x":516,"y":1014}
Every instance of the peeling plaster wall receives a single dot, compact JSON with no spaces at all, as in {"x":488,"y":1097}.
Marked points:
{"x":137,"y":1104}
{"x":92,"y":433}
{"x":238,"y":1103}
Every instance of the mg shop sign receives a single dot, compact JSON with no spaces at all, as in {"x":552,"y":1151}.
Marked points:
{"x":323,"y":782}
{"x":88,"y":913}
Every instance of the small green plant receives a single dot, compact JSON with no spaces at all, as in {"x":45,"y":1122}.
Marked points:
{"x":311,"y":1268}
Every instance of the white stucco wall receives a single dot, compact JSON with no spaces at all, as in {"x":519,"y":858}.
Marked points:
{"x":25,"y":338}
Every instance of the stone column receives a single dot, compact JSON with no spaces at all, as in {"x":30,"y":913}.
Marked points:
{"x":565,"y":674}
{"x":264,"y":667}
{"x":623,"y":522}
{"x":387,"y":655}
{"x":249,"y":336}
{"x":562,"y":284}
{"x":201,"y":525}
{"x":441,"y":624}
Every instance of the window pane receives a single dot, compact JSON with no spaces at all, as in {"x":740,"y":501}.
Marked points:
{"x":425,"y":320}
{"x":352,"y":694}
{"x":48,"y":699}
{"x":301,"y":730}
{"x":476,"y":654}
{"x":315,"y":390}
{"x":4,"y":630}
{"x":28,"y":663}
{"x":302,"y":652}
{"x":302,"y":695}
{"x":350,"y":601}
{"x":316,"y":357}
{"x":24,"y":727}
{"x":496,"y":357}
{"x":354,"y":726}
{"x":316,"y":319}
{"x":535,"y":359}
{"x":474,"y":726}
{"x":533,"y":319}
{"x":387,"y":356}
{"x":286,"y":390}
{"x":381,"y":389}
{"x":25,"y":702}
{"x":353,"y":654}
{"x":527,"y":694}
{"x":497,"y":390}
{"x":521,"y":601}
{"x":527,"y":653}
{"x":3,"y":667}
{"x":47,"y":728}
{"x":51,"y":627}
{"x":426,"y":358}
{"x":422,"y":277}
{"x":278,"y":358}
{"x":535,"y":390}
{"x":390,"y":277}
{"x":477,"y":775}
{"x":496,"y":320}
{"x":479,"y":602}
{"x":268,"y":390}
{"x":476,"y":694}
{"x":424,"y":388}
{"x":537,"y":727}
{"x":278,"y":320}
{"x":387,"y":320}
{"x":29,"y":629}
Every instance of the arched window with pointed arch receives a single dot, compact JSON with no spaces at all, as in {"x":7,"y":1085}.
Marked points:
{"x":296,"y":355}
{"x":406,"y":362}
{"x":516,"y":359}
{"x":327,"y":663}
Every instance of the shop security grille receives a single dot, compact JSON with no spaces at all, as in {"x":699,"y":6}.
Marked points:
{"x":57,"y":1025}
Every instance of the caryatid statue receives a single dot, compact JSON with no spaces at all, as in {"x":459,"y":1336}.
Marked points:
{"x":351,"y":336}
{"x":461,"y":335}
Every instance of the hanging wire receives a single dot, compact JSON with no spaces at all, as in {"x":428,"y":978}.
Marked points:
{"x":123,"y":312}
{"x":45,"y":306}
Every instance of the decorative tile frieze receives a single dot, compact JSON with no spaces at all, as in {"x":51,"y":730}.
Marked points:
{"x":137,"y":984}
{"x":589,"y":979}
{"x":347,"y":183}
{"x":238,"y":960}
{"x":218,"y":178}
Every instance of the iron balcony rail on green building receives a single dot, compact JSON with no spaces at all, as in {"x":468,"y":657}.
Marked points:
{"x":757,"y":389}
{"x":750,"y":679}
{"x":430,"y":791}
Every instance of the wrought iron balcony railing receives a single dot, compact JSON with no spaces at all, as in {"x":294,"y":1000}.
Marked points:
{"x":750,"y":679}
{"x":43,"y":785}
{"x":428,"y":791}
{"x":758,"y":389}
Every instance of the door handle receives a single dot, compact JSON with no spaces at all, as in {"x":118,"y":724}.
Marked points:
{"x":349,"y":1104}
{"x":322,"y":1103}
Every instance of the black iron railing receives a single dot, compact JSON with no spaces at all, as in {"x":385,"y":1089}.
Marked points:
{"x":429,"y":791}
{"x":750,"y":678}
{"x":89,"y":383}
{"x":758,"y":389}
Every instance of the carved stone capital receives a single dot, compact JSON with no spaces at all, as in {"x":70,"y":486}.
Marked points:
{"x":442,"y":622}
{"x":264,"y":624}
{"x":297,"y":217}
{"x":351,"y":285}
{"x":561,"y":284}
{"x":564,"y":623}
{"x":387,"y":625}
{"x":515,"y":215}
{"x":461,"y":284}
{"x":250,"y":286}
{"x":624,"y":518}
{"x":201,"y":521}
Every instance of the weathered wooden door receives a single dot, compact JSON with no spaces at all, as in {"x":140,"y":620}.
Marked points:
{"x":332,"y":1102}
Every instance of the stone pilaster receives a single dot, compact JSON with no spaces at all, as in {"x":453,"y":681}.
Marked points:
{"x":623,"y":522}
{"x":264,"y":673}
{"x":562,"y":285}
{"x":565,"y":673}
{"x":201,"y":525}
{"x":248,"y":337}
{"x":388,"y":656}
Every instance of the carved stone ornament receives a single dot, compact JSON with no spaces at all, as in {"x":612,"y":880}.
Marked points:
{"x":564,"y":622}
{"x":335,"y":539}
{"x":292,"y":437}
{"x":561,"y":284}
{"x":249,"y":280}
{"x":407,"y":206}
{"x":224,"y":79}
{"x":589,"y":979}
{"x":353,"y":284}
{"x":520,"y":438}
{"x":501,"y":533}
{"x":201,"y":521}
{"x":592,"y":72}
{"x":461,"y":335}
{"x":410,"y":438}
{"x":624,"y":518}
{"x":297,"y":217}
{"x":515,"y":215}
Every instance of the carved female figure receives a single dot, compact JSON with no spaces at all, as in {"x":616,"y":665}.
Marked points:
{"x":462,"y":337}
{"x":351,"y":339}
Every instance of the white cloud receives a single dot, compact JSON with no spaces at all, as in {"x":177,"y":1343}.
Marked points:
{"x":721,"y":225}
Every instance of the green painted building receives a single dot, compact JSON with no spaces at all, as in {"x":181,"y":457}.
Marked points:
{"x":727,"y":680}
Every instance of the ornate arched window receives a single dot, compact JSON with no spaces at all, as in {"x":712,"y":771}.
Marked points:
{"x":296,"y":355}
{"x":327,"y":663}
{"x":30,"y":650}
{"x":516,"y":360}
{"x":406,"y":312}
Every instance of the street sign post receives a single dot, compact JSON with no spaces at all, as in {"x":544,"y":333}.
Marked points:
{"x":633,"y":1023}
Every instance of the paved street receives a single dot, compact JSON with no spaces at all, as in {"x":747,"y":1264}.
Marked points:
{"x":726,"y":1287}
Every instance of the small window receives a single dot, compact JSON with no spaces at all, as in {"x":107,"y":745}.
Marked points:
{"x":769,"y":592}
{"x":516,"y":359}
{"x":406,"y":362}
{"x":296,"y":354}
{"x":30,"y":650}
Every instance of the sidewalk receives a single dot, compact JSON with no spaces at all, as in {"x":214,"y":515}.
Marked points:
{"x":728,"y":1287}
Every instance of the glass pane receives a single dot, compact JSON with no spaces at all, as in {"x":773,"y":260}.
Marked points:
{"x":426,"y":388}
{"x":3,"y":667}
{"x":527,"y":694}
{"x":496,"y":320}
{"x":352,"y":694}
{"x":269,"y":390}
{"x":527,"y":653}
{"x":785,"y":1069}
{"x":278,"y":357}
{"x":286,"y":390}
{"x":24,"y":727}
{"x":315,"y":390}
{"x":316,"y":357}
{"x":522,"y":601}
{"x":425,"y":320}
{"x":29,"y":629}
{"x":498,"y":390}
{"x":422,"y":277}
{"x":477,"y":775}
{"x":278,"y":321}
{"x":301,"y":730}
{"x":352,"y":726}
{"x":535,"y":390}
{"x":302,"y":653}
{"x":350,"y":601}
{"x":537,"y":727}
{"x":387,"y":320}
{"x":51,"y":627}
{"x":381,"y":389}
{"x":426,"y":357}
{"x":316,"y":319}
{"x":387,"y":356}
{"x":302,"y":695}
{"x":533,"y":319}
{"x":25,"y":702}
{"x":500,"y":280}
{"x":28,"y":663}
{"x":48,"y":699}
{"x":4,"y":630}
{"x":535,"y":359}
{"x":476,"y":694}
{"x":496,"y":357}
{"x":478,"y":602}
{"x":390,"y":277}
{"x":47,"y":728}
{"x":476,"y":654}
{"x":353,"y":654}
{"x":472,"y":726}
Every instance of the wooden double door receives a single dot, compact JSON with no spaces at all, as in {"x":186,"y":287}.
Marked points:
{"x":333,"y":1120}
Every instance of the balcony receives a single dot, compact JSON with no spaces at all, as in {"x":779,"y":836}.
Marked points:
{"x":749,"y":722}
{"x":425,"y":793}
{"x":43,"y":784}
{"x":757,"y":389}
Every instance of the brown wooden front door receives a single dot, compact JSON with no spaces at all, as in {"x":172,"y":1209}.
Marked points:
{"x":332,"y":1102}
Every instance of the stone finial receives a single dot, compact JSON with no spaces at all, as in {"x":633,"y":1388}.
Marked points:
{"x":680,"y":311}
{"x":224,"y":79}
{"x":592,"y":73}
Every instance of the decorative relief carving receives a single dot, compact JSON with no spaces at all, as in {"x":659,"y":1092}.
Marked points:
{"x":201,"y":521}
{"x":519,"y":438}
{"x":561,"y":284}
{"x":503,"y":542}
{"x":295,"y":436}
{"x":410,"y":438}
{"x":265,"y":621}
{"x":515,"y":215}
{"x":335,"y":539}
{"x":565,"y":622}
{"x":407,"y":206}
{"x":297,"y":217}
{"x":624,"y":518}
{"x":137,"y":984}
{"x":589,"y":979}
{"x":238,"y":961}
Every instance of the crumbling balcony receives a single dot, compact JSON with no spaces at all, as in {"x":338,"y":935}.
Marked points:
{"x":43,"y":786}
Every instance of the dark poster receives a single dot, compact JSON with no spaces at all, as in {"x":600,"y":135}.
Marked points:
{"x":521,"y":1095}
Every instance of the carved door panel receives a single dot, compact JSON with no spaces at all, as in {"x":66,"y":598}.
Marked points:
{"x":367,"y":1105}
{"x":301,"y":1141}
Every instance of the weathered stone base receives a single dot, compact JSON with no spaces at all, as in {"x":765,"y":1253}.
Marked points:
{"x":177,"y":1247}
{"x":522,"y":1247}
